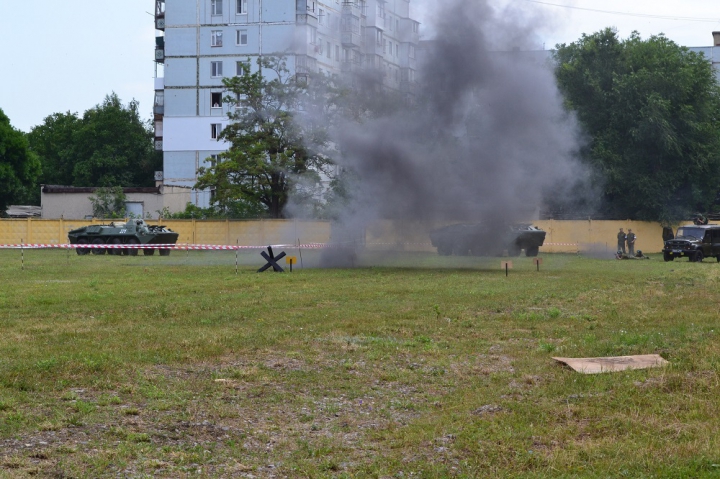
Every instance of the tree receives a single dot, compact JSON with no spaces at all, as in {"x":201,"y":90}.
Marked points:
{"x":108,"y":202}
{"x":275,"y":142}
{"x":650,"y":108}
{"x":19,"y":167}
{"x":109,"y":146}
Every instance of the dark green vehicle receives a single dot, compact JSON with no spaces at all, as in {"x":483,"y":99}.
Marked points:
{"x":480,"y":240}
{"x":130,"y":233}
{"x":696,"y":242}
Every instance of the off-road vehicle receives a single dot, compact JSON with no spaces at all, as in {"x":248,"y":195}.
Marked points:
{"x":694,"y":241}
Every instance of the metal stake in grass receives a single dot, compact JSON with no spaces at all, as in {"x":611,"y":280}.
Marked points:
{"x":537,"y":262}
{"x":507,"y":265}
{"x":22,"y":255}
{"x":237,"y":243}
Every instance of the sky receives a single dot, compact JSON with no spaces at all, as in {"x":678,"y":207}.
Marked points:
{"x":67,"y":55}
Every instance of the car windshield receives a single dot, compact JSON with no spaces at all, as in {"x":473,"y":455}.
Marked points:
{"x":690,"y":232}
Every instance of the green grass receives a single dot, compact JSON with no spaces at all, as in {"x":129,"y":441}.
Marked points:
{"x":426,"y":367}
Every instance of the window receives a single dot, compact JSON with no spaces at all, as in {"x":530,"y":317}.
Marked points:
{"x":240,"y":68}
{"x":379,"y":37}
{"x":328,"y":53}
{"x":337,"y":53}
{"x":214,"y":160}
{"x":242,"y":7}
{"x":241,"y":37}
{"x":411,"y":51}
{"x":313,"y":36}
{"x":216,"y":7}
{"x":216,"y":38}
{"x":215,"y":129}
{"x":321,"y":16}
{"x":415,"y":27}
{"x":397,"y":49}
{"x":216,"y":99}
{"x":216,"y":69}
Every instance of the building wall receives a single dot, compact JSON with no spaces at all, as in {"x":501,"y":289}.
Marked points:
{"x":78,"y":205}
{"x":308,"y":32}
{"x":244,"y":233}
{"x":562,"y":236}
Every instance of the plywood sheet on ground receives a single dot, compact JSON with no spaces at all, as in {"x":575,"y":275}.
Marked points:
{"x":613,"y":363}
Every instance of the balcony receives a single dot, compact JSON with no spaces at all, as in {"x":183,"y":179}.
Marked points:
{"x":306,"y":19}
{"x":351,"y":8}
{"x":159,"y":49}
{"x":159,"y":104}
{"x":160,"y":15}
{"x":351,"y":40}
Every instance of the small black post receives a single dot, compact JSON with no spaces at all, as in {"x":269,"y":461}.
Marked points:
{"x":506,"y":269}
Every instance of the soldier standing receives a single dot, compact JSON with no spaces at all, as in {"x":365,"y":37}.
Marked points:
{"x":631,"y":242}
{"x":621,"y":241}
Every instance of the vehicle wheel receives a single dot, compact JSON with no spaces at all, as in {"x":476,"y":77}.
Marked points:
{"x":164,"y":252}
{"x":669,"y":256}
{"x":532,"y":251}
{"x":116,"y":251}
{"x":717,"y":258}
{"x":514,"y":250}
{"x":149,"y":251}
{"x":132,"y":251}
{"x":697,"y":257}
{"x":82,"y":251}
{"x":98,"y":250}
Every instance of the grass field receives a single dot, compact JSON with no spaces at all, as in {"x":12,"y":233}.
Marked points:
{"x":426,"y":367}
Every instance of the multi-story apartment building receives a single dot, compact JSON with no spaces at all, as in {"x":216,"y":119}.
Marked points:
{"x":199,"y":42}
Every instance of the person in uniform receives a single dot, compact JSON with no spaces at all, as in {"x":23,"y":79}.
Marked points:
{"x":631,"y":242}
{"x":621,"y":241}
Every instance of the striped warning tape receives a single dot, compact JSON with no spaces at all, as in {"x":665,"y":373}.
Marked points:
{"x":162,"y":246}
{"x":560,"y":244}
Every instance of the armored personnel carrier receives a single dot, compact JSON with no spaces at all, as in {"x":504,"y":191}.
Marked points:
{"x":481,"y":240}
{"x":133,"y":232}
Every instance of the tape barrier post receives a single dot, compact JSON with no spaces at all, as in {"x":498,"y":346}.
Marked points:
{"x":22,"y":256}
{"x":300,"y":253}
{"x":237,"y":243}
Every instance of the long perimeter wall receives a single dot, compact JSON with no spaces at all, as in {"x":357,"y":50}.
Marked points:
{"x":562,"y":236}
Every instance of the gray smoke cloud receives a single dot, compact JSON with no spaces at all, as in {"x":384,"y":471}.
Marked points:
{"x":487,"y":137}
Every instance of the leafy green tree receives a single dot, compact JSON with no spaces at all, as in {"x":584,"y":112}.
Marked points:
{"x":109,"y":146}
{"x":108,"y":202}
{"x":650,"y":109}
{"x":19,"y":167}
{"x":275,"y":141}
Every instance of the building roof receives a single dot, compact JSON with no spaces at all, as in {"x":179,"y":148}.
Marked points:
{"x":92,"y":189}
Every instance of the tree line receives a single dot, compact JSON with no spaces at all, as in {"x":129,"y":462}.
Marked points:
{"x":648,"y":109}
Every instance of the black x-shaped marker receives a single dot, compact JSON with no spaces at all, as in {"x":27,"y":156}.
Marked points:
{"x":272,"y":261}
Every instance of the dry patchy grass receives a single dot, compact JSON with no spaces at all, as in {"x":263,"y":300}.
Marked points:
{"x":435,"y":367}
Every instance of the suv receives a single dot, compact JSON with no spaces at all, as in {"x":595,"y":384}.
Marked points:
{"x":694,"y":241}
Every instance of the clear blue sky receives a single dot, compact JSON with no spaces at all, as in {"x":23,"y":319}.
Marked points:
{"x":59,"y":56}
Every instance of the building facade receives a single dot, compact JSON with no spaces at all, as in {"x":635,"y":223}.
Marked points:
{"x":199,"y":42}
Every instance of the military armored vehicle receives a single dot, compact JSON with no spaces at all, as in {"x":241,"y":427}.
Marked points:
{"x":482,"y":240}
{"x":133,"y":232}
{"x":694,"y":241}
